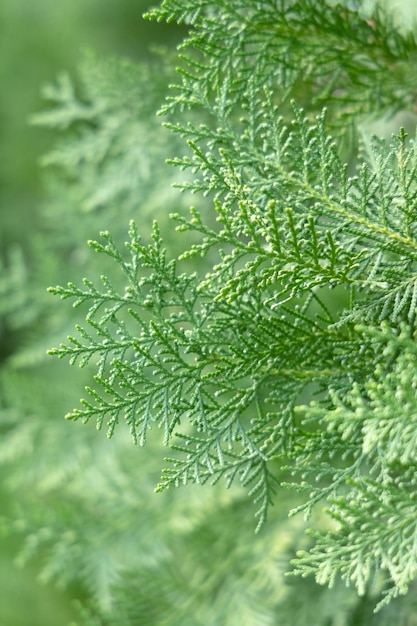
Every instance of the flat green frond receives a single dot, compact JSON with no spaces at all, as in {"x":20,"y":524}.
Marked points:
{"x":375,"y":533}
{"x":356,"y":65}
{"x":276,"y":346}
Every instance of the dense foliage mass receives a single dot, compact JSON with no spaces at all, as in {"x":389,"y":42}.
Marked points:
{"x":276,"y":351}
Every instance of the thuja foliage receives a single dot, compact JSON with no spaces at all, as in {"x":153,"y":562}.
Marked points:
{"x":256,"y":366}
{"x":277,"y":350}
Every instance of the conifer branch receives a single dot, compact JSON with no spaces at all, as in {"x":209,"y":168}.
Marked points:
{"x":252,"y":368}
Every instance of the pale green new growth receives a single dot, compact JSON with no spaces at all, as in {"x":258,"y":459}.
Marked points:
{"x":294,"y":351}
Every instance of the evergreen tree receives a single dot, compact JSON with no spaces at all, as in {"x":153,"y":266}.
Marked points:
{"x":269,"y":345}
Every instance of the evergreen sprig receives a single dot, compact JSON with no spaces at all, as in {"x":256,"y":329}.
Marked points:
{"x":256,"y":368}
{"x":355,"y":65}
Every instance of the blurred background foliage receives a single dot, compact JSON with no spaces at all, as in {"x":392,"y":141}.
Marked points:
{"x":66,"y":491}
{"x":38,"y":40}
{"x":39,"y":237}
